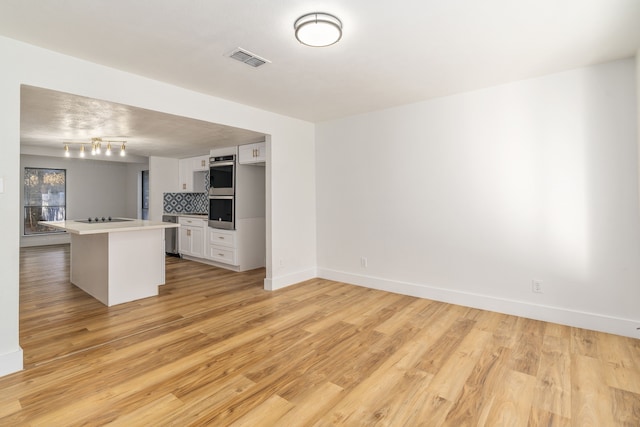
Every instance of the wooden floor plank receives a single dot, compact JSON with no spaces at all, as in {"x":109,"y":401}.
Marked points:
{"x":215,"y":348}
{"x":553,"y":385}
{"x":592,"y":400}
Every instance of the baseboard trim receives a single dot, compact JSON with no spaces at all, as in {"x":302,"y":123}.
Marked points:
{"x":235,"y":268}
{"x":290,"y":279}
{"x":11,"y":362}
{"x":564,"y":316}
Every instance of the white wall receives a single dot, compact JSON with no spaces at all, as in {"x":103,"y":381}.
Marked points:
{"x":469,"y":198}
{"x":134,"y":189}
{"x":163,"y":178}
{"x":638,"y":107}
{"x":94,"y":188}
{"x":290,"y":173}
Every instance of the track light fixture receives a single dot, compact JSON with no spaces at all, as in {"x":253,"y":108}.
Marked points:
{"x":96,"y":147}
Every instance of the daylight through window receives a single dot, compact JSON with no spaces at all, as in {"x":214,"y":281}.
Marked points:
{"x":44,"y":199}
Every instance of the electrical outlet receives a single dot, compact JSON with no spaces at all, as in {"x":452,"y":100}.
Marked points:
{"x":536,"y":286}
{"x":363,"y":262}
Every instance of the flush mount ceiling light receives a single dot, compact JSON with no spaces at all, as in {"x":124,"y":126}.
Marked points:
{"x":318,"y":29}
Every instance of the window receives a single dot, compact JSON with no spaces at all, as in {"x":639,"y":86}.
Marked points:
{"x":44,"y":199}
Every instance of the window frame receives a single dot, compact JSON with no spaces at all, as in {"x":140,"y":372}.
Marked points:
{"x":29,"y":209}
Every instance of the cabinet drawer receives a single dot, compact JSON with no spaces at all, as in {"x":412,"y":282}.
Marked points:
{"x":222,"y":254}
{"x":221,"y":238}
{"x":191,"y":222}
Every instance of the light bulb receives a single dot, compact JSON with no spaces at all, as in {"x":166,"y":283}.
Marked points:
{"x":66,"y":150}
{"x":98,"y":147}
{"x":93,"y":149}
{"x":108,"y":152}
{"x":122,"y":151}
{"x":82,"y":151}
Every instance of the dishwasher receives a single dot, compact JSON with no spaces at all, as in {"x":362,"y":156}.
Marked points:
{"x":171,"y":235}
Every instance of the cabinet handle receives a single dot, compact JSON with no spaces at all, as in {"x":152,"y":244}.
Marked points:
{"x":202,"y":163}
{"x":220,"y":237}
{"x":188,"y":232}
{"x":222,"y":255}
{"x":184,"y":186}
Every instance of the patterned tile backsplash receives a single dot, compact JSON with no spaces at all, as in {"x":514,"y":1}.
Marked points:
{"x":186,"y":203}
{"x":190,"y":202}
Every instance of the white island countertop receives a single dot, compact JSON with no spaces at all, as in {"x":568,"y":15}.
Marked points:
{"x":77,"y":227}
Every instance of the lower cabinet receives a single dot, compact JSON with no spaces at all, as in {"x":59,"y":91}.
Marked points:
{"x":238,"y":250}
{"x":192,"y":236}
{"x":221,"y":246}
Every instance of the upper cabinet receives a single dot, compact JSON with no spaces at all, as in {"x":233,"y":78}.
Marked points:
{"x":200,"y":163}
{"x":192,"y":170}
{"x":252,"y":154}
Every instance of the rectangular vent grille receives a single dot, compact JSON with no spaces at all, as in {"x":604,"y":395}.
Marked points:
{"x":248,"y":57}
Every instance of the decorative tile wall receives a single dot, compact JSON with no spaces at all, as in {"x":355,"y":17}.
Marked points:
{"x":189,"y":202}
{"x":186,"y":203}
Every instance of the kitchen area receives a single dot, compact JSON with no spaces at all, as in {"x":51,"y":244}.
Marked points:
{"x":214,"y":214}
{"x":207,"y":178}
{"x":220,"y":207}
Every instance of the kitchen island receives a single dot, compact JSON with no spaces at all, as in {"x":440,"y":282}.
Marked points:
{"x":116,"y":261}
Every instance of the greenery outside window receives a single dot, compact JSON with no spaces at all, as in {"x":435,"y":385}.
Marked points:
{"x":44,"y":199}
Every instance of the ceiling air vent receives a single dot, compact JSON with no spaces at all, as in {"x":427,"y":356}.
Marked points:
{"x":248,"y":57}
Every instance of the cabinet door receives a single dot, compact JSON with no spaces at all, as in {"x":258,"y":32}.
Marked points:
{"x":252,"y":153}
{"x":184,"y":240}
{"x":260,"y":152}
{"x":200,"y":163}
{"x":197,"y":242}
{"x":186,"y":175}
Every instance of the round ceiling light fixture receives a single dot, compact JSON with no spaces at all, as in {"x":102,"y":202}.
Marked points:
{"x":318,"y":29}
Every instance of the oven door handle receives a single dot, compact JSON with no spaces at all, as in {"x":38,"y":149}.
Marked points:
{"x":226,"y":163}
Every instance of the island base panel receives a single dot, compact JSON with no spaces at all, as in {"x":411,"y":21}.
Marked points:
{"x":118,"y":267}
{"x":90,"y":265}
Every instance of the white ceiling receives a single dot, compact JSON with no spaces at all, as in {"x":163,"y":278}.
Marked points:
{"x":391,"y":53}
{"x":49,"y":118}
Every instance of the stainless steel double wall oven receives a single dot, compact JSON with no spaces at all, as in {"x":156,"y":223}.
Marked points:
{"x":222,"y":192}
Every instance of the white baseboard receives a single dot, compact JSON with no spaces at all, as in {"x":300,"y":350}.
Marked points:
{"x":213,"y":263}
{"x":45,"y":240}
{"x":564,"y":316}
{"x":289,"y":279}
{"x":11,"y":362}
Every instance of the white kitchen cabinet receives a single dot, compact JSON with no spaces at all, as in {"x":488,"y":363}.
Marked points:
{"x":200,"y":163}
{"x":191,"y":169}
{"x":252,"y":153}
{"x":192,"y":236}
{"x":186,"y":175}
{"x":221,"y":246}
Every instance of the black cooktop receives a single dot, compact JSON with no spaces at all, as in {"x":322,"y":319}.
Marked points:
{"x":102,"y":220}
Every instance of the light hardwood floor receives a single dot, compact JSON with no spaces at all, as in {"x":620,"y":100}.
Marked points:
{"x":215,"y":349}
